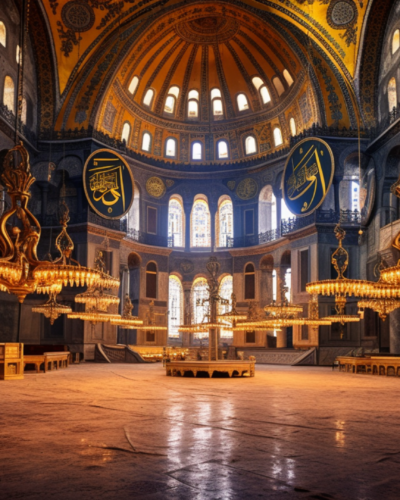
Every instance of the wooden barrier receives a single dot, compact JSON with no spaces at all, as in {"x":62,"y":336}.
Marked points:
{"x":56,"y":360}
{"x":230,"y":367}
{"x":11,"y":361}
{"x":373,"y":365}
{"x":35,"y":359}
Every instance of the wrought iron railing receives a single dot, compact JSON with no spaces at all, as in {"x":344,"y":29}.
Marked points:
{"x":9,"y":117}
{"x":385,"y":123}
{"x":146,"y":238}
{"x":347,"y":217}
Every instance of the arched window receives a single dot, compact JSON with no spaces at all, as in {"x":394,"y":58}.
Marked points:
{"x":266,"y":210}
{"x":277,"y":136}
{"x":288,"y":77}
{"x":222,"y":148}
{"x":18,"y":55}
{"x":200,"y":224}
{"x":249,"y":282}
{"x":197,"y":151}
{"x":148,"y":98}
{"x":278,"y":85}
{"x":225,"y":291}
{"x":174,"y":90}
{"x":292,"y":125}
{"x":126,"y":131}
{"x":9,"y":93}
{"x":217,"y":107}
{"x":274,"y":285}
{"x":175,"y":223}
{"x":24,"y":111}
{"x":151,"y":280}
{"x":193,"y":104}
{"x":250,"y":145}
{"x":146,"y":142}
{"x":170,"y":147}
{"x":175,"y":299}
{"x":133,"y":85}
{"x":392,"y":94}
{"x":288,"y":284}
{"x":200,"y":309}
{"x":355,"y":196}
{"x":169,"y":104}
{"x":395,"y":41}
{"x":262,"y":88}
{"x":215,"y":93}
{"x":242,"y":102}
{"x":225,"y":223}
{"x":2,"y":34}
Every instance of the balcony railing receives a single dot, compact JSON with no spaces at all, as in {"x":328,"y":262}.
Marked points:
{"x":146,"y":238}
{"x":48,"y":220}
{"x":347,"y":217}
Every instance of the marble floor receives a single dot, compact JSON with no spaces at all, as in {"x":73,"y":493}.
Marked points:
{"x":127,"y":431}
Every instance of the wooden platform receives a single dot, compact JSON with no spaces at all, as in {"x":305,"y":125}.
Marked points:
{"x":236,"y":367}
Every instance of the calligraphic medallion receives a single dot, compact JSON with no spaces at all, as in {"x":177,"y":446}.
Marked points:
{"x":247,"y":189}
{"x":307,"y":176}
{"x":108,"y":184}
{"x":155,"y":187}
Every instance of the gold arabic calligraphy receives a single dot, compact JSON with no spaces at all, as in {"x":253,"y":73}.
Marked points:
{"x":107,"y":180}
{"x":305,"y":176}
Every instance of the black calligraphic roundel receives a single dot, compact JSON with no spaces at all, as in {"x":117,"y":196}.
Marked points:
{"x":307,"y":176}
{"x":108,"y":184}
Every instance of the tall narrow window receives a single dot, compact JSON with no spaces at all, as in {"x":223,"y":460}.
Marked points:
{"x":18,"y":55}
{"x":278,"y":85}
{"x":225,"y":291}
{"x":126,"y":131}
{"x":222,"y":150}
{"x":133,"y":85}
{"x":151,"y":280}
{"x":288,"y":77}
{"x":250,"y":145}
{"x":24,"y":111}
{"x":225,"y":222}
{"x":169,"y":104}
{"x":262,"y":89}
{"x":175,"y":299}
{"x":146,"y":141}
{"x":249,"y":282}
{"x":274,"y":285}
{"x":9,"y":94}
{"x":217,"y":107}
{"x":197,"y":151}
{"x":200,"y":308}
{"x":193,"y":104}
{"x":266,"y":210}
{"x":304,"y":279}
{"x":215,"y":93}
{"x":277,"y":136}
{"x":201,"y":236}
{"x":2,"y":34}
{"x":395,"y":41}
{"x":175,"y":222}
{"x":170,"y":148}
{"x":242,"y":102}
{"x":257,"y":82}
{"x":174,"y":90}
{"x":292,"y":124}
{"x":392,"y":94}
{"x":148,"y":98}
{"x":288,"y":284}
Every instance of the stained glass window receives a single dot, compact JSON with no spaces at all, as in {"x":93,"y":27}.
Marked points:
{"x":225,"y":222}
{"x":175,"y":297}
{"x":175,"y":222}
{"x":201,"y":236}
{"x":200,"y":310}
{"x":225,"y":291}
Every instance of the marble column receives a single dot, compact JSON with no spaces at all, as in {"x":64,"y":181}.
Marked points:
{"x":281,"y":336}
{"x":187,"y":338}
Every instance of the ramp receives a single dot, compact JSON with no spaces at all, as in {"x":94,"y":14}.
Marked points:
{"x":290,"y":357}
{"x":116,"y":354}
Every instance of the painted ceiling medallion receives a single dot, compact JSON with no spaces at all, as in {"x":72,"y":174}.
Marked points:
{"x":78,"y":16}
{"x":342,"y":13}
{"x":208,"y":29}
{"x":247,"y":189}
{"x":155,"y":187}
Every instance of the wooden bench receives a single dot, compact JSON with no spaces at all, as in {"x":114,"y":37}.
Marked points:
{"x":385,"y":365}
{"x":56,"y":360}
{"x":354,"y":364}
{"x":35,"y":359}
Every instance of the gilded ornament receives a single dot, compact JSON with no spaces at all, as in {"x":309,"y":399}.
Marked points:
{"x":155,"y":187}
{"x":247,"y":189}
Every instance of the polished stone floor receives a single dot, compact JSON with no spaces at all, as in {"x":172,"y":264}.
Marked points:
{"x":128,"y":431}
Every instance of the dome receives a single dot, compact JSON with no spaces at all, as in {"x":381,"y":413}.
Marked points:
{"x":208,"y":83}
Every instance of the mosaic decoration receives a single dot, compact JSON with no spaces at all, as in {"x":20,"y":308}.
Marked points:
{"x":247,"y":189}
{"x":108,"y":184}
{"x":204,"y":30}
{"x":155,"y":187}
{"x":305,"y":109}
{"x":185,"y":266}
{"x":109,"y":116}
{"x":158,"y":142}
{"x":169,"y":183}
{"x":343,"y":14}
{"x":231,"y":185}
{"x":77,"y":15}
{"x":136,"y":133}
{"x":307,"y":176}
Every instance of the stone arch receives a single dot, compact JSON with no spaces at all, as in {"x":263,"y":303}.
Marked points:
{"x":72,"y":165}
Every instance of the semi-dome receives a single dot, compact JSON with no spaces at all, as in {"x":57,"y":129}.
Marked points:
{"x":208,"y":83}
